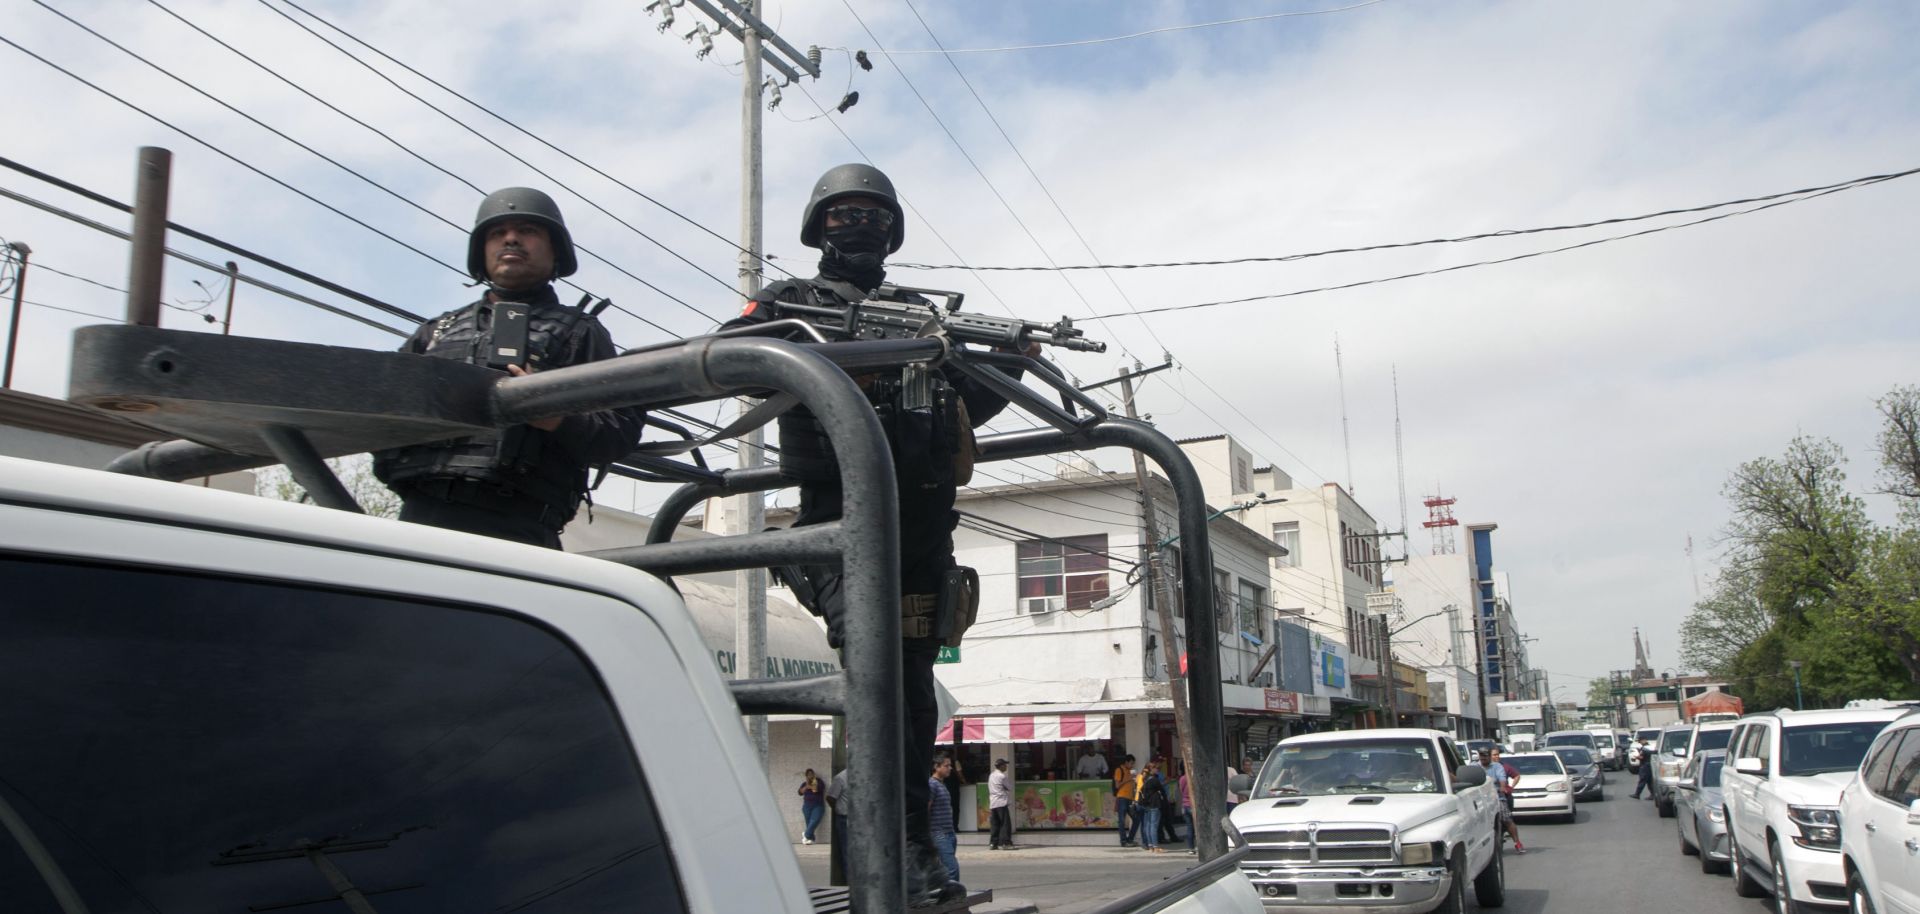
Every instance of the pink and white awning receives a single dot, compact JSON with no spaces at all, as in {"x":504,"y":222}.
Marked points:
{"x":1030,"y":728}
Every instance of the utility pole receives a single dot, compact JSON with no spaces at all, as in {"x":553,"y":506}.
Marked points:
{"x":147,"y":264}
{"x":233,"y":282}
{"x":13,"y":323}
{"x":750,"y":508}
{"x":1160,"y":589}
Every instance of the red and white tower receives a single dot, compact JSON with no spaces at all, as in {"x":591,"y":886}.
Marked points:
{"x":1440,"y":520}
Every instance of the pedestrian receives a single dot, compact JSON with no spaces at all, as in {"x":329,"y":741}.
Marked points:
{"x":1233,"y":798}
{"x":1000,"y":807}
{"x":842,"y":806}
{"x":1186,"y":808}
{"x":1647,"y":763}
{"x":1503,"y":778}
{"x":813,"y":795}
{"x":1169,"y":806}
{"x":854,"y":217}
{"x":940,"y":814}
{"x":1092,"y":764}
{"x":1124,"y":790}
{"x":522,"y":483}
{"x":1152,"y":797}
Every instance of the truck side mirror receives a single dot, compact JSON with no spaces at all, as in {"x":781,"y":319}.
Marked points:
{"x":1469,"y":776}
{"x":1241,"y":784}
{"x":1913,"y":813}
{"x":1685,"y":784}
{"x":1750,"y":766}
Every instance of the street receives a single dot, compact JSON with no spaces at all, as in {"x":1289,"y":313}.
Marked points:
{"x":1619,"y":855}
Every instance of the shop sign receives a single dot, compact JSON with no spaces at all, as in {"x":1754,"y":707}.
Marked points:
{"x":1055,"y":804}
{"x":948,"y":654}
{"x":1333,"y":670}
{"x":1283,"y":702}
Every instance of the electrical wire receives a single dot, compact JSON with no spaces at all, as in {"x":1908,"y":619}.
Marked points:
{"x":115,"y":320}
{"x":1159,"y":31}
{"x":1831,"y":189}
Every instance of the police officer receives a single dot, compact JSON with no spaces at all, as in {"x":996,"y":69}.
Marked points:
{"x":521,"y":483}
{"x":854,"y":218}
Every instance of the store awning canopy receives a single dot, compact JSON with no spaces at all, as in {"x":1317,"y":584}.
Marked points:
{"x":1030,"y":728}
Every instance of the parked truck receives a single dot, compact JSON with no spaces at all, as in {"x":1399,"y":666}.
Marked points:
{"x":1521,"y":723}
{"x":219,"y":702}
{"x":1393,"y":821}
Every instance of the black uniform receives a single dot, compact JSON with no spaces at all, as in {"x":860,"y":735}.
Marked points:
{"x":924,"y":444}
{"x":518,"y":483}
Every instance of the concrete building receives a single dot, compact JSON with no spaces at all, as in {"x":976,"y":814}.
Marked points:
{"x":1461,"y":629}
{"x":55,"y":431}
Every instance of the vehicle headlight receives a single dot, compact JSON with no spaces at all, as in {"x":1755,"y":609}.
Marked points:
{"x":1557,"y":787}
{"x":1424,"y":852}
{"x":1716,"y":815}
{"x":1669,"y":769}
{"x":1819,"y":826}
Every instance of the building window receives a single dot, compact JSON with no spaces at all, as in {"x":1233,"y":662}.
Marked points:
{"x":1065,"y":573}
{"x":1242,"y":475}
{"x":1223,"y":600}
{"x":1286,"y":535}
{"x":1253,"y":603}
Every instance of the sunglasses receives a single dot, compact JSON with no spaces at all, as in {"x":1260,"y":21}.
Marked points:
{"x":857,"y":215}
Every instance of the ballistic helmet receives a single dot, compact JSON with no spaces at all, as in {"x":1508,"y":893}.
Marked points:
{"x":520,"y":203}
{"x":851,"y":180}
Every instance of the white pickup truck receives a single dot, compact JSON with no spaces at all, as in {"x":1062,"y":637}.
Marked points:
{"x":1371,"y":821}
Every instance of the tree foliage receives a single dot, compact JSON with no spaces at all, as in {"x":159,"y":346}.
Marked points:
{"x":355,"y":472}
{"x":1810,"y":578}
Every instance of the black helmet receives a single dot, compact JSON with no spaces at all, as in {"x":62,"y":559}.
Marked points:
{"x":851,"y":180}
{"x":520,"y":203}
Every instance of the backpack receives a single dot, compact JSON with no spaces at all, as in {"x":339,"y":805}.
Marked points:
{"x":1153,"y":793}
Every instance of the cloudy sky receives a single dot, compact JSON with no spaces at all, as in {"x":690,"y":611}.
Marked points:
{"x":1590,"y":402}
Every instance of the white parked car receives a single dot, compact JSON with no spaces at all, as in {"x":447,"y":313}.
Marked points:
{"x":1542,"y":787}
{"x":1880,"y":824}
{"x":1782,"y":792}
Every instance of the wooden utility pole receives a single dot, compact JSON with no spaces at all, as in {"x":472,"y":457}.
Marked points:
{"x":1159,"y":588}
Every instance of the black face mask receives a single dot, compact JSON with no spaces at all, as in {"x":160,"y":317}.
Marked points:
{"x":855,"y":253}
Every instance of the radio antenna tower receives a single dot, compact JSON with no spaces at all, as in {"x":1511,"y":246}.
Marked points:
{"x":1440,"y":520}
{"x":1400,"y":455}
{"x":1346,"y":436}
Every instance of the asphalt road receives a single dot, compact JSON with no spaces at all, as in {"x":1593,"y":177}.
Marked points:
{"x":1619,"y":856}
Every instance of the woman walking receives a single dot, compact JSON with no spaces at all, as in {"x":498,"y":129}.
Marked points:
{"x":812,"y":804}
{"x":1153,"y":797}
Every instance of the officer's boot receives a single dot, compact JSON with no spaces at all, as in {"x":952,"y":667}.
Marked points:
{"x":927,"y":882}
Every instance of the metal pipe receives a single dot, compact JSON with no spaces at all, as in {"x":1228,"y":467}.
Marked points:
{"x":819,"y":544}
{"x":309,"y":469}
{"x":147,"y":263}
{"x":13,"y":322}
{"x":825,"y":694}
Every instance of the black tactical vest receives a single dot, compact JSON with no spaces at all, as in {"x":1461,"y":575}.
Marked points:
{"x":522,"y":459}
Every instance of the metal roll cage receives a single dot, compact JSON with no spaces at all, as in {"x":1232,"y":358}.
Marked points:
{"x":245,"y":403}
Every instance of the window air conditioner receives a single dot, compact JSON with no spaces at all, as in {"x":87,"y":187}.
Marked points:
{"x":1036,"y":606}
{"x":1265,"y":681}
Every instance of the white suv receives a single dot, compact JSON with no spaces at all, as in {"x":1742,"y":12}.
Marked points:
{"x":1880,"y":823}
{"x":1782,"y":792}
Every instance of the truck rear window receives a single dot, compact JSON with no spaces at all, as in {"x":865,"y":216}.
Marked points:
{"x":184,"y":743}
{"x":1383,"y":766}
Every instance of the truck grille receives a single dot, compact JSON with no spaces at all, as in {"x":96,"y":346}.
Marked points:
{"x":1365,"y":845}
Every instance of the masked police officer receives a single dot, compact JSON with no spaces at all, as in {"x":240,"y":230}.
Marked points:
{"x":522,"y":483}
{"x":855,"y":219}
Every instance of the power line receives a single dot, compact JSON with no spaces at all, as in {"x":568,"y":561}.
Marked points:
{"x":1158,"y":31}
{"x":28,"y":301}
{"x":504,"y":120}
{"x":342,"y":166}
{"x":39,"y":267}
{"x":1832,"y":189}
{"x":1482,"y":236}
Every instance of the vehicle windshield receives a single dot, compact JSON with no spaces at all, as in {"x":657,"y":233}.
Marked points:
{"x":1603,"y":740}
{"x":1717,"y":739}
{"x":1534,"y":764}
{"x":1575,"y":756}
{"x":1571,"y":739}
{"x":1710,"y":771}
{"x":1829,"y":747}
{"x":1318,"y":769}
{"x":1649,"y":734}
{"x":1676,"y":739}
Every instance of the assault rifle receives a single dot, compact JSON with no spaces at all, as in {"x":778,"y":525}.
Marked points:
{"x":904,"y":312}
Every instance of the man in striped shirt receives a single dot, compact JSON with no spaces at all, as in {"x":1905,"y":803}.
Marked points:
{"x":940,"y":811}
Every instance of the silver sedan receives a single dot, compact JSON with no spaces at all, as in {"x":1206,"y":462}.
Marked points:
{"x":1700,"y":813}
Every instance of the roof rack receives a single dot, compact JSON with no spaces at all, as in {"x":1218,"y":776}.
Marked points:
{"x":238,"y":403}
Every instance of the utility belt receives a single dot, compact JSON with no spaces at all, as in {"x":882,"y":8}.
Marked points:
{"x":496,"y":498}
{"x":945,"y":615}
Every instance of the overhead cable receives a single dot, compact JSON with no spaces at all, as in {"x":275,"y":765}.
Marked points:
{"x":1831,"y":189}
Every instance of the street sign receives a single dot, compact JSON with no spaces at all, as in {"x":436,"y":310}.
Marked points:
{"x":948,"y":655}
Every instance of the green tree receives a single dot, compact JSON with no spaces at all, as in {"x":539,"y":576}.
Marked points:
{"x":1600,"y":692}
{"x":355,"y":472}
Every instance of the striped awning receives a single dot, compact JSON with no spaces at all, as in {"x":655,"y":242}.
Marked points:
{"x":1030,"y":728}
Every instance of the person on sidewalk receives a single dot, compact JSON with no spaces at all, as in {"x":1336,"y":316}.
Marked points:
{"x":1503,"y":778}
{"x":1124,"y":791}
{"x":1186,"y":808}
{"x":813,"y":796}
{"x":1648,"y":762}
{"x":940,"y":810}
{"x":1152,"y":797}
{"x":1000,"y":807}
